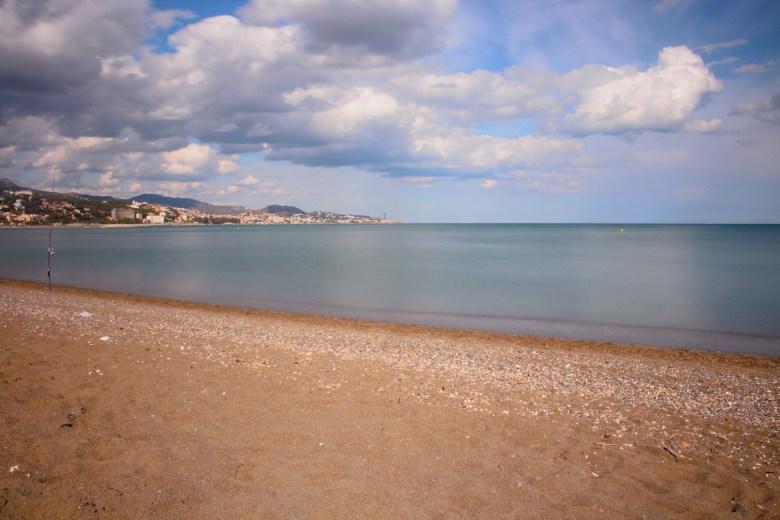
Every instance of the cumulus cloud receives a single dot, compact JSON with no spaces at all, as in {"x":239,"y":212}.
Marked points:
{"x":480,"y":94}
{"x":115,"y":163}
{"x":615,"y":100}
{"x":304,"y":82}
{"x":194,"y":158}
{"x":399,"y":28}
{"x":345,"y":113}
{"x":489,"y":153}
{"x":51,"y":45}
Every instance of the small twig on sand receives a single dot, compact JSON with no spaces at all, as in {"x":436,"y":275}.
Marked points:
{"x":604,"y":444}
{"x":673,"y":454}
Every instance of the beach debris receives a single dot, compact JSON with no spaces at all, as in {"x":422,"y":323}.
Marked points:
{"x":322,"y":444}
{"x":13,"y":468}
{"x":673,"y":454}
{"x":85,"y":314}
{"x":736,"y":507}
{"x":66,"y":425}
{"x":594,"y":474}
{"x":104,"y":338}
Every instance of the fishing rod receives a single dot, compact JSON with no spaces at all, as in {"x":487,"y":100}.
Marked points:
{"x":51,"y":224}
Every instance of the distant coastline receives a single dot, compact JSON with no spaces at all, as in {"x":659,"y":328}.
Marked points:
{"x":20,"y":206}
{"x":78,"y":225}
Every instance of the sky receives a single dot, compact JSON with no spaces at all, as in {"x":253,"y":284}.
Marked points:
{"x":434,"y":111}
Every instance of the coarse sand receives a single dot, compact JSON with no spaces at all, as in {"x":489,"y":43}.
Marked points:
{"x":122,"y":406}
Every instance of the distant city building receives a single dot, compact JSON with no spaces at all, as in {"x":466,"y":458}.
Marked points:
{"x":154,"y":219}
{"x":123,"y":213}
{"x":248,"y":219}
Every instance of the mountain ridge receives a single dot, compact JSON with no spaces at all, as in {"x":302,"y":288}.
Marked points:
{"x":156,"y":198}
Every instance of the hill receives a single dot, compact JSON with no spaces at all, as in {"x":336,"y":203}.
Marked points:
{"x":186,"y":203}
{"x":277,"y":209}
{"x":36,"y":207}
{"x":155,"y":198}
{"x":8,"y":185}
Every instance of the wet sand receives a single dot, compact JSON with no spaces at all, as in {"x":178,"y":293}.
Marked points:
{"x":129,"y":407}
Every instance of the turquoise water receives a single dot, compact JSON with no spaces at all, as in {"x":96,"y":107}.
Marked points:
{"x":706,"y":287}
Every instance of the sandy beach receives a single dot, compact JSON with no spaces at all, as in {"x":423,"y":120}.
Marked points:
{"x":119,"y":406}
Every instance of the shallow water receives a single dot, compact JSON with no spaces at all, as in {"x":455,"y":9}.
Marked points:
{"x":695,"y":286}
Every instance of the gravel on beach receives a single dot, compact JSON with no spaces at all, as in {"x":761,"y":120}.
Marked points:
{"x":691,"y":405}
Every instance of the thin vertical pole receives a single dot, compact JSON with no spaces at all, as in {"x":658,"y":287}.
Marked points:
{"x":51,"y":223}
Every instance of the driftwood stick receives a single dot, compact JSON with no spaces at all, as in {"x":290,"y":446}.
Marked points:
{"x":673,"y":454}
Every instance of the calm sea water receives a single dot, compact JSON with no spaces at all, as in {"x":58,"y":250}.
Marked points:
{"x":707,"y":287}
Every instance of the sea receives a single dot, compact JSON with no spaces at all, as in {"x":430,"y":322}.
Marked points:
{"x":702,"y":287}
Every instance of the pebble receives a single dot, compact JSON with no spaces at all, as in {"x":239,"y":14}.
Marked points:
{"x":599,"y":386}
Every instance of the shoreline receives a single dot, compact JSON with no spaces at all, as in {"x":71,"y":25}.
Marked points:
{"x":194,"y":224}
{"x":581,"y":342}
{"x":135,"y":406}
{"x":653,"y":351}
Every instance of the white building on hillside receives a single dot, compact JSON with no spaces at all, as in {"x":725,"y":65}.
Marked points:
{"x":154,"y":219}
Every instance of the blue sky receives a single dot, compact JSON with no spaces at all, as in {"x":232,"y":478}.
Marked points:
{"x":443,"y":111}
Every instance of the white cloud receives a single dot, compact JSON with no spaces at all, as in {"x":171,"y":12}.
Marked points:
{"x":481,"y":94}
{"x":225,"y":166}
{"x":251,"y":188}
{"x":730,"y":44}
{"x":755,"y":68}
{"x":303,"y":82}
{"x":457,"y":149}
{"x":702,"y":126}
{"x":616,"y":100}
{"x":189,"y":159}
{"x":177,"y":187}
{"x":488,"y":184}
{"x":351,"y":110}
